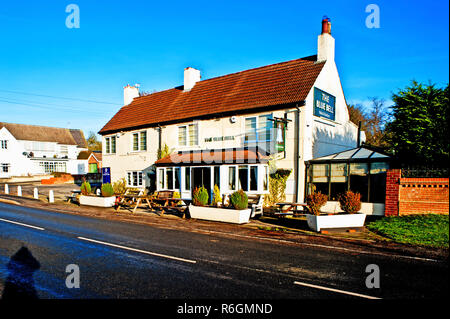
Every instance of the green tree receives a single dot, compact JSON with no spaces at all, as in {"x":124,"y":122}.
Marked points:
{"x":93,"y":143}
{"x":418,"y":133}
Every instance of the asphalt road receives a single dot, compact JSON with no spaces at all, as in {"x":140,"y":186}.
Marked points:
{"x":125,"y":260}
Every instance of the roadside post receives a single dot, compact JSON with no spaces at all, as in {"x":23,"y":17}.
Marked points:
{"x":35,"y":193}
{"x":51,"y":198}
{"x":19,"y":190}
{"x":6,"y":189}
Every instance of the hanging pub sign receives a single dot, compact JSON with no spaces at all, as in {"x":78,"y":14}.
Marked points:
{"x":324,"y":104}
{"x":280,"y":136}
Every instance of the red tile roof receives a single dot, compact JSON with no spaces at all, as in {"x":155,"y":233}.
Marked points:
{"x":213,"y":157}
{"x":271,"y":85}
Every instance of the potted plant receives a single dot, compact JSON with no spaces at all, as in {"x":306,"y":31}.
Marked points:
{"x":237,"y":212}
{"x":217,"y":199}
{"x":350,"y":203}
{"x":106,"y":200}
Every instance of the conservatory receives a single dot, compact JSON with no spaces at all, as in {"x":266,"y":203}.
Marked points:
{"x":362,"y":170}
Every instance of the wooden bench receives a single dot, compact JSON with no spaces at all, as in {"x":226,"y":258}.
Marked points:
{"x":74,"y":196}
{"x":255,"y":202}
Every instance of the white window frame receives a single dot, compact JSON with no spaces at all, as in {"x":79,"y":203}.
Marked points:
{"x":186,"y":126}
{"x":139,"y":141}
{"x":257,"y":129}
{"x":139,"y":177}
{"x":4,"y":144}
{"x":163,"y":182}
{"x":108,"y":144}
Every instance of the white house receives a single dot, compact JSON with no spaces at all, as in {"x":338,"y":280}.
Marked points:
{"x":27,"y":150}
{"x":225,"y":130}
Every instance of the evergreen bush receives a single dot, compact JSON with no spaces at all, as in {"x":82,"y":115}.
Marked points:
{"x":200,"y":196}
{"x":239,"y":200}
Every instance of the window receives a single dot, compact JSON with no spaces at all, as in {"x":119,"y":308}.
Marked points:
{"x":110,"y":145}
{"x":217,"y":176}
{"x":177,"y":178}
{"x":243,"y":177}
{"x":258,"y":128}
{"x":139,"y":141}
{"x":377,"y":182}
{"x":187,"y":178}
{"x":359,"y":179}
{"x":338,"y":183}
{"x":135,"y":178}
{"x":161,"y":178}
{"x":64,"y":149}
{"x":4,"y":144}
{"x":253,"y":178}
{"x":5,"y":168}
{"x":232,"y":178}
{"x":50,"y":167}
{"x":250,"y":129}
{"x":319,"y":178}
{"x":188,"y":135}
{"x":169,"y":178}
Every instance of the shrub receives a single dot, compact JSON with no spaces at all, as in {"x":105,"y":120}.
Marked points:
{"x":315,"y":201}
{"x":107,"y":190}
{"x":350,"y":202}
{"x":216,"y":197}
{"x":239,"y":200}
{"x":120,"y":186}
{"x":277,"y":187}
{"x":200,"y":196}
{"x":85,"y":188}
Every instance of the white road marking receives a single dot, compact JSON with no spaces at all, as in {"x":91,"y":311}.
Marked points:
{"x":323,"y":246}
{"x":335,"y":290}
{"x":21,"y":224}
{"x":138,"y":250}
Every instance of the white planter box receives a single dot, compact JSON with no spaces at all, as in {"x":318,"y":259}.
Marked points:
{"x":335,"y":221}
{"x":220,"y":214}
{"x":97,"y":201}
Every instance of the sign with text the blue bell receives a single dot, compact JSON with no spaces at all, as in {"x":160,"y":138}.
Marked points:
{"x":106,"y":175}
{"x":324,"y":104}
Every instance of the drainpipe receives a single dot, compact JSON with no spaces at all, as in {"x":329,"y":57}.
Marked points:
{"x":297,"y":155}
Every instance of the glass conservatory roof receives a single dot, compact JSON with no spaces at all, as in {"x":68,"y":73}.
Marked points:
{"x":356,"y":154}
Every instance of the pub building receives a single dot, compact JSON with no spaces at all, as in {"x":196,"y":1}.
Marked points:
{"x":233,"y":130}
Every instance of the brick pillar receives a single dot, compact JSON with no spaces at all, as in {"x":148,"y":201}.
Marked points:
{"x":392,"y":192}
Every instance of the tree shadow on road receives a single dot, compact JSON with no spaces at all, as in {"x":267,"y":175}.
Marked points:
{"x":20,"y":283}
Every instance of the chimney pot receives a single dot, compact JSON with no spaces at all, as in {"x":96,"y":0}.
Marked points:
{"x":326,"y":25}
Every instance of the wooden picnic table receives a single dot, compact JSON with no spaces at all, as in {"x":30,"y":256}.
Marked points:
{"x":151,"y":202}
{"x":290,"y":209}
{"x":74,"y":195}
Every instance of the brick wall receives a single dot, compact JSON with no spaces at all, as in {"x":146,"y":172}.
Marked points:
{"x":415,"y":195}
{"x":392,"y":192}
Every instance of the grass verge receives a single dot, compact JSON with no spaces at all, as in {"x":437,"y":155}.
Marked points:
{"x":424,"y":230}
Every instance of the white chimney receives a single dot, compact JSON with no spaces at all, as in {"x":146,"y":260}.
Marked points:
{"x":325,"y":42}
{"x":129,"y":93}
{"x":191,"y":76}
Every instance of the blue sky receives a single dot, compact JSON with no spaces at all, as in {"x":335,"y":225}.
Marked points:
{"x":151,"y":42}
